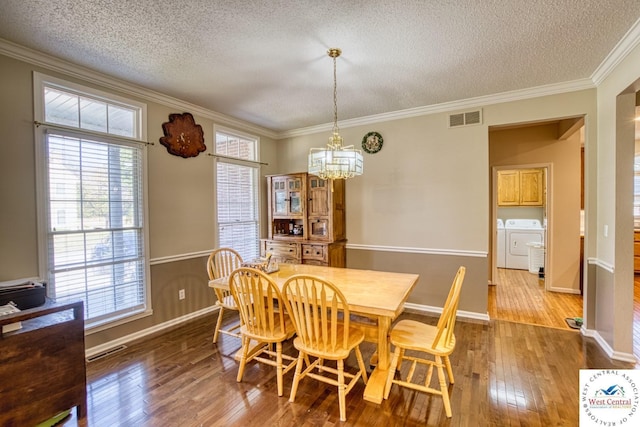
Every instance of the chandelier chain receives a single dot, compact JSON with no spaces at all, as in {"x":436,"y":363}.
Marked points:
{"x":335,"y":97}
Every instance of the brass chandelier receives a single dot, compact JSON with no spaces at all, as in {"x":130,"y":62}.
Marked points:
{"x":335,"y":161}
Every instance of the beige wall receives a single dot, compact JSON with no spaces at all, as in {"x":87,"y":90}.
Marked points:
{"x":540,"y":145}
{"x":18,"y":238}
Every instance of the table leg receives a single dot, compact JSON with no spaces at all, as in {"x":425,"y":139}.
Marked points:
{"x":378,"y":378}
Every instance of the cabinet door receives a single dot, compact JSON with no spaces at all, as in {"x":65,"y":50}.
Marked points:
{"x":319,"y":229}
{"x":508,"y":188}
{"x":294,"y":187}
{"x":318,"y":190}
{"x":286,"y":196}
{"x":279,"y":205}
{"x":531,"y":187}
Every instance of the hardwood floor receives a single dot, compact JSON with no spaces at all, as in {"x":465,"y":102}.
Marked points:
{"x":505,"y":373}
{"x":520,"y":297}
{"x":636,"y":317}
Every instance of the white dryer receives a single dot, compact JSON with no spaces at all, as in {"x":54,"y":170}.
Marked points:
{"x":501,"y":243}
{"x":519,"y":232}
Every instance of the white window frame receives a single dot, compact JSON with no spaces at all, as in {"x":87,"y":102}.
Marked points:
{"x":255,"y":163}
{"x":40,"y":81}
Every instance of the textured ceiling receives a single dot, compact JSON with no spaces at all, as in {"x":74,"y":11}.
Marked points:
{"x":265,"y":62}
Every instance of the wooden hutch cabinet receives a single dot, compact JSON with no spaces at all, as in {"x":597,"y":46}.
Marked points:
{"x":523,"y":187}
{"x":306,"y":220}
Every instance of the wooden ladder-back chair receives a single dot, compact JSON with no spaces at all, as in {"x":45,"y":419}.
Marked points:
{"x":221,"y":264}
{"x":263,"y":319}
{"x":321,"y":317}
{"x":438,"y":341}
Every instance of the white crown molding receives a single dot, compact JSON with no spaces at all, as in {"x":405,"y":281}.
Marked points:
{"x":630,"y":40}
{"x":464,"y":104}
{"x":429,"y":251}
{"x":52,"y":63}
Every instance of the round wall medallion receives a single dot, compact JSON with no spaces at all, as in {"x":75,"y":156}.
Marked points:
{"x":372,"y":142}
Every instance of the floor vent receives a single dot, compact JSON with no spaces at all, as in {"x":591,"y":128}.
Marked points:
{"x":465,"y":119}
{"x":106,"y":353}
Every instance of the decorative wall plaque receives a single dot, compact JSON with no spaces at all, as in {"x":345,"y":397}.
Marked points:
{"x":182,"y":136}
{"x":372,"y":142}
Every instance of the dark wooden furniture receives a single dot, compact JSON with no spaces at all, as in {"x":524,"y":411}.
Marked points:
{"x":42,"y":364}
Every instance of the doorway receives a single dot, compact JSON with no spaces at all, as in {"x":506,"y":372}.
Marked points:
{"x":555,"y":147}
{"x":520,"y":208}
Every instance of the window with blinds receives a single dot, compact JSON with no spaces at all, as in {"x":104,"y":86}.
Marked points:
{"x":93,"y":191}
{"x":237,"y":180}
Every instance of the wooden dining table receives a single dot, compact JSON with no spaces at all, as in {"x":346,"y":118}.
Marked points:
{"x":376,"y":298}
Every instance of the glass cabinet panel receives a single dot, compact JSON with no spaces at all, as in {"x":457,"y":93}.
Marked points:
{"x":280,"y":205}
{"x":319,"y":228}
{"x":296,"y":202}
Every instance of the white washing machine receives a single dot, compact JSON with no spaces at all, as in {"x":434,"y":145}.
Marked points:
{"x":519,"y":232}
{"x":502,"y":252}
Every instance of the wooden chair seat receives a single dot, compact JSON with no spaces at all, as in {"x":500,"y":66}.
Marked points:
{"x":355,"y":338}
{"x":418,"y":336}
{"x":270,"y":336}
{"x":227,"y":302}
{"x":432,"y":341}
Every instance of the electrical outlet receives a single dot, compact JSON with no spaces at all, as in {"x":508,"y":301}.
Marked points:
{"x":181,"y":294}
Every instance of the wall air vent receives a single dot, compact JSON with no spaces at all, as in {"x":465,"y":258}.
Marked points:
{"x":465,"y":119}
{"x":106,"y":353}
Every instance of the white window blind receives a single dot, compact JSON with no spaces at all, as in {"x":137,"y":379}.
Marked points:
{"x":237,"y":194}
{"x":93,"y":202}
{"x":95,"y":225}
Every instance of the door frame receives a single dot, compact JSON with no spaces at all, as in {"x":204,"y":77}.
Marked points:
{"x":548,"y":213}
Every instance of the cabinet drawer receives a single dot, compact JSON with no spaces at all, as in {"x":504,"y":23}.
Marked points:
{"x":318,"y":252}
{"x":315,"y":262}
{"x":636,"y":264}
{"x":282,"y":249}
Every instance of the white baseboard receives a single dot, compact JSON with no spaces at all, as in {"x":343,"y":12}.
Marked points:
{"x":427,"y":309}
{"x":145,"y":332}
{"x":565,"y":290}
{"x":615,"y":355}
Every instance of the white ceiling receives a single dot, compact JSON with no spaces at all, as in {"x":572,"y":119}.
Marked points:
{"x":265,"y":62}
